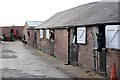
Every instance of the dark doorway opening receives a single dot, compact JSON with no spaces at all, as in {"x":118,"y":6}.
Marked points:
{"x":72,"y":47}
{"x":35,"y":39}
{"x":28,"y":33}
{"x":11,"y":38}
{"x":100,"y":54}
{"x":102,"y":33}
{"x":11,"y":31}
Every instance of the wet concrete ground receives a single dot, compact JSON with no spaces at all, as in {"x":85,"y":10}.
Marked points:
{"x":17,"y":61}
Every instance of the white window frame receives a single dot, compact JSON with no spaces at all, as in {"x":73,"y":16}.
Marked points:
{"x":48,"y":34}
{"x":41,"y":33}
{"x":114,"y":38}
{"x":81,"y":35}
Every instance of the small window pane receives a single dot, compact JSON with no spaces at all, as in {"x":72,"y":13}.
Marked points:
{"x":81,"y":35}
{"x":47,"y":34}
{"x":41,"y":33}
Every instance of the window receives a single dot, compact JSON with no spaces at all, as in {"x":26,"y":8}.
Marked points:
{"x":81,"y":35}
{"x":112,"y":33}
{"x":47,"y":34}
{"x":41,"y":33}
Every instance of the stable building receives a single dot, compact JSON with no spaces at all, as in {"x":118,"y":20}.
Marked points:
{"x":87,"y":36}
{"x":29,"y":35}
{"x":8,"y":31}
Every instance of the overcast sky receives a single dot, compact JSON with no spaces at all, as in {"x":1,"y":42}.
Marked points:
{"x":16,"y":12}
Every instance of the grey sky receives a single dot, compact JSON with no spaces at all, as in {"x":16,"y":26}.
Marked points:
{"x":16,"y":12}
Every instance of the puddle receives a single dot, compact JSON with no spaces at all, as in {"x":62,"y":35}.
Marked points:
{"x":8,"y":54}
{"x":8,"y":51}
{"x":15,"y":73}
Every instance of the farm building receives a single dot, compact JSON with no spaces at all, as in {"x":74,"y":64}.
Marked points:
{"x":87,"y":36}
{"x":28,"y":31}
{"x":16,"y":31}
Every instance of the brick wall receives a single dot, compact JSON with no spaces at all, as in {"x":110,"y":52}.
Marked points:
{"x":86,"y":55}
{"x":113,"y":56}
{"x":48,"y":45}
{"x":0,"y":31}
{"x":6,"y":30}
{"x":61,"y":44}
{"x":85,"y":51}
{"x":38,"y":39}
{"x":45,"y":44}
{"x":20,"y":30}
{"x":31,"y":39}
{"x":58,"y":47}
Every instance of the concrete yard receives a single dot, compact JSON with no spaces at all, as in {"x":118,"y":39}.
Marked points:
{"x":17,"y":60}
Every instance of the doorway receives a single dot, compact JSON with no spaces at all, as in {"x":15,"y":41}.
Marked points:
{"x":72,"y":47}
{"x":100,"y":52}
{"x":11,"y":31}
{"x":35,"y":39}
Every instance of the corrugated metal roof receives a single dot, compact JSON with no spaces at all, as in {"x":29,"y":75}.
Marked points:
{"x":91,"y":13}
{"x":34,"y":23}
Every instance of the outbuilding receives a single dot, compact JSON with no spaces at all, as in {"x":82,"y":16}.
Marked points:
{"x":87,"y":36}
{"x":29,"y":34}
{"x":12,"y":32}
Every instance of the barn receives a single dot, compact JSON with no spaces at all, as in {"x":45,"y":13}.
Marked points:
{"x":28,"y":31}
{"x":86,"y":36}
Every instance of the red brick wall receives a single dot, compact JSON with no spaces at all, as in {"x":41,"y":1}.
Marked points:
{"x":86,"y":55}
{"x":113,"y":56}
{"x":85,"y":51}
{"x":47,"y":45}
{"x":38,"y":39}
{"x":44,"y":44}
{"x":6,"y":30}
{"x":20,"y":30}
{"x":58,"y":48}
{"x":61,"y":44}
{"x":31,"y":39}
